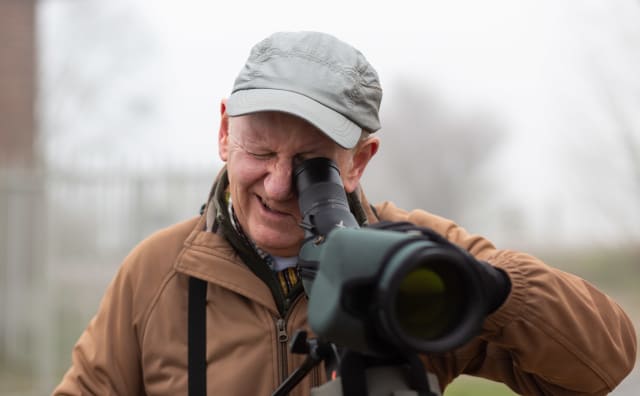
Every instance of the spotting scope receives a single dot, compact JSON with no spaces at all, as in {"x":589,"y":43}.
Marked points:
{"x":385,"y":288}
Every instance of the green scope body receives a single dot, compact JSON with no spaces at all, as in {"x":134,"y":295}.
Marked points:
{"x":380,"y":292}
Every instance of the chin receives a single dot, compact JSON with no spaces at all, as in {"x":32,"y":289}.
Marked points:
{"x":280,"y":250}
{"x":278,"y":247}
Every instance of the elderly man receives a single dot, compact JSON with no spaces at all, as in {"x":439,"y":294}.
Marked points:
{"x":304,"y":95}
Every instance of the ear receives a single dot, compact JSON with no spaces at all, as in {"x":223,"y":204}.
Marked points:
{"x":223,"y":133}
{"x":362,"y":154}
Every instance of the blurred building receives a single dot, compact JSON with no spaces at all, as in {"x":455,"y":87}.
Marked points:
{"x":20,"y":185}
{"x":17,"y":83}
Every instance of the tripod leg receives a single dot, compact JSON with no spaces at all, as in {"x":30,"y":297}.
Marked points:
{"x":295,"y":377}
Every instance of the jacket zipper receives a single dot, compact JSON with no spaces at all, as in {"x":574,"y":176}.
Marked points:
{"x":283,"y":347}
{"x":283,"y":338}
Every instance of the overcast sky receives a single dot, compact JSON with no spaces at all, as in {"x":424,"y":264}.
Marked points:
{"x":531,"y":64}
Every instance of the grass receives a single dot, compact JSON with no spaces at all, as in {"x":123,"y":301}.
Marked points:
{"x":15,"y":380}
{"x":608,"y":267}
{"x":473,"y":386}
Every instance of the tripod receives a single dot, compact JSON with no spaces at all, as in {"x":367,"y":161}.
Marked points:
{"x":358,"y":374}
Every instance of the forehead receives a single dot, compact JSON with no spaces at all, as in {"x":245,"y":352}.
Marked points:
{"x":270,"y":125}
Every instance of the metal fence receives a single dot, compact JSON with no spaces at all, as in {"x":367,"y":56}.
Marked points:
{"x":63,"y":235}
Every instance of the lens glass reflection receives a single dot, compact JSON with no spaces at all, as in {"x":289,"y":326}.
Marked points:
{"x":428,"y":301}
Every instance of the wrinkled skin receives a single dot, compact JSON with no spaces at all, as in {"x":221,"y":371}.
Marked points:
{"x":261,"y":151}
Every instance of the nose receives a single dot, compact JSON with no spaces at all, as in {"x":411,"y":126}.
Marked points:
{"x":278,"y":183}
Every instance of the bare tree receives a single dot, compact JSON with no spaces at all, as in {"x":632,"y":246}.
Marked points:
{"x":95,"y":79}
{"x":432,"y":157}
{"x":608,"y":169}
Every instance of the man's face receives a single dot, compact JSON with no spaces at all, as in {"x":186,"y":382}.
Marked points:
{"x":261,"y":150}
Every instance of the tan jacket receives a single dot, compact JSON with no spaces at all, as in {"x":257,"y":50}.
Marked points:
{"x":555,"y":334}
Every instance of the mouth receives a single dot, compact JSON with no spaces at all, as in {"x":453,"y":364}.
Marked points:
{"x":268,"y":208}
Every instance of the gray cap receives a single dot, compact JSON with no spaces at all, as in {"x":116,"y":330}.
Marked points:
{"x":314,"y":76}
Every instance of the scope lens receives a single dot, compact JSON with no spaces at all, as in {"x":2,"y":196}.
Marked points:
{"x":429,"y":301}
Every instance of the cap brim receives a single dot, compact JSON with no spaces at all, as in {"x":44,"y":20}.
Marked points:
{"x":339,"y":128}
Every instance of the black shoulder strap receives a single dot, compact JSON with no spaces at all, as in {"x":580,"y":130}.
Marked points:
{"x":197,"y":357}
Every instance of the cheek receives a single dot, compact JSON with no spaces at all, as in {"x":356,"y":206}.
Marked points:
{"x":245,"y":171}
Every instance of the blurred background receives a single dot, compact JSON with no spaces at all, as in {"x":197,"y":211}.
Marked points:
{"x":519,"y":120}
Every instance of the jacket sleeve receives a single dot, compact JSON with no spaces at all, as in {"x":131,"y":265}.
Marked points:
{"x":555,"y":334}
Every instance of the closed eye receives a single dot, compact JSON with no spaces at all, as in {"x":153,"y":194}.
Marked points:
{"x":261,"y":156}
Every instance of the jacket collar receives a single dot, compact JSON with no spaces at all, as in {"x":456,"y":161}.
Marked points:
{"x":208,"y":256}
{"x":212,"y":252}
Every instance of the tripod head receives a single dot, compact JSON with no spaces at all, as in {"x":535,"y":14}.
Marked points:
{"x":354,"y":374}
